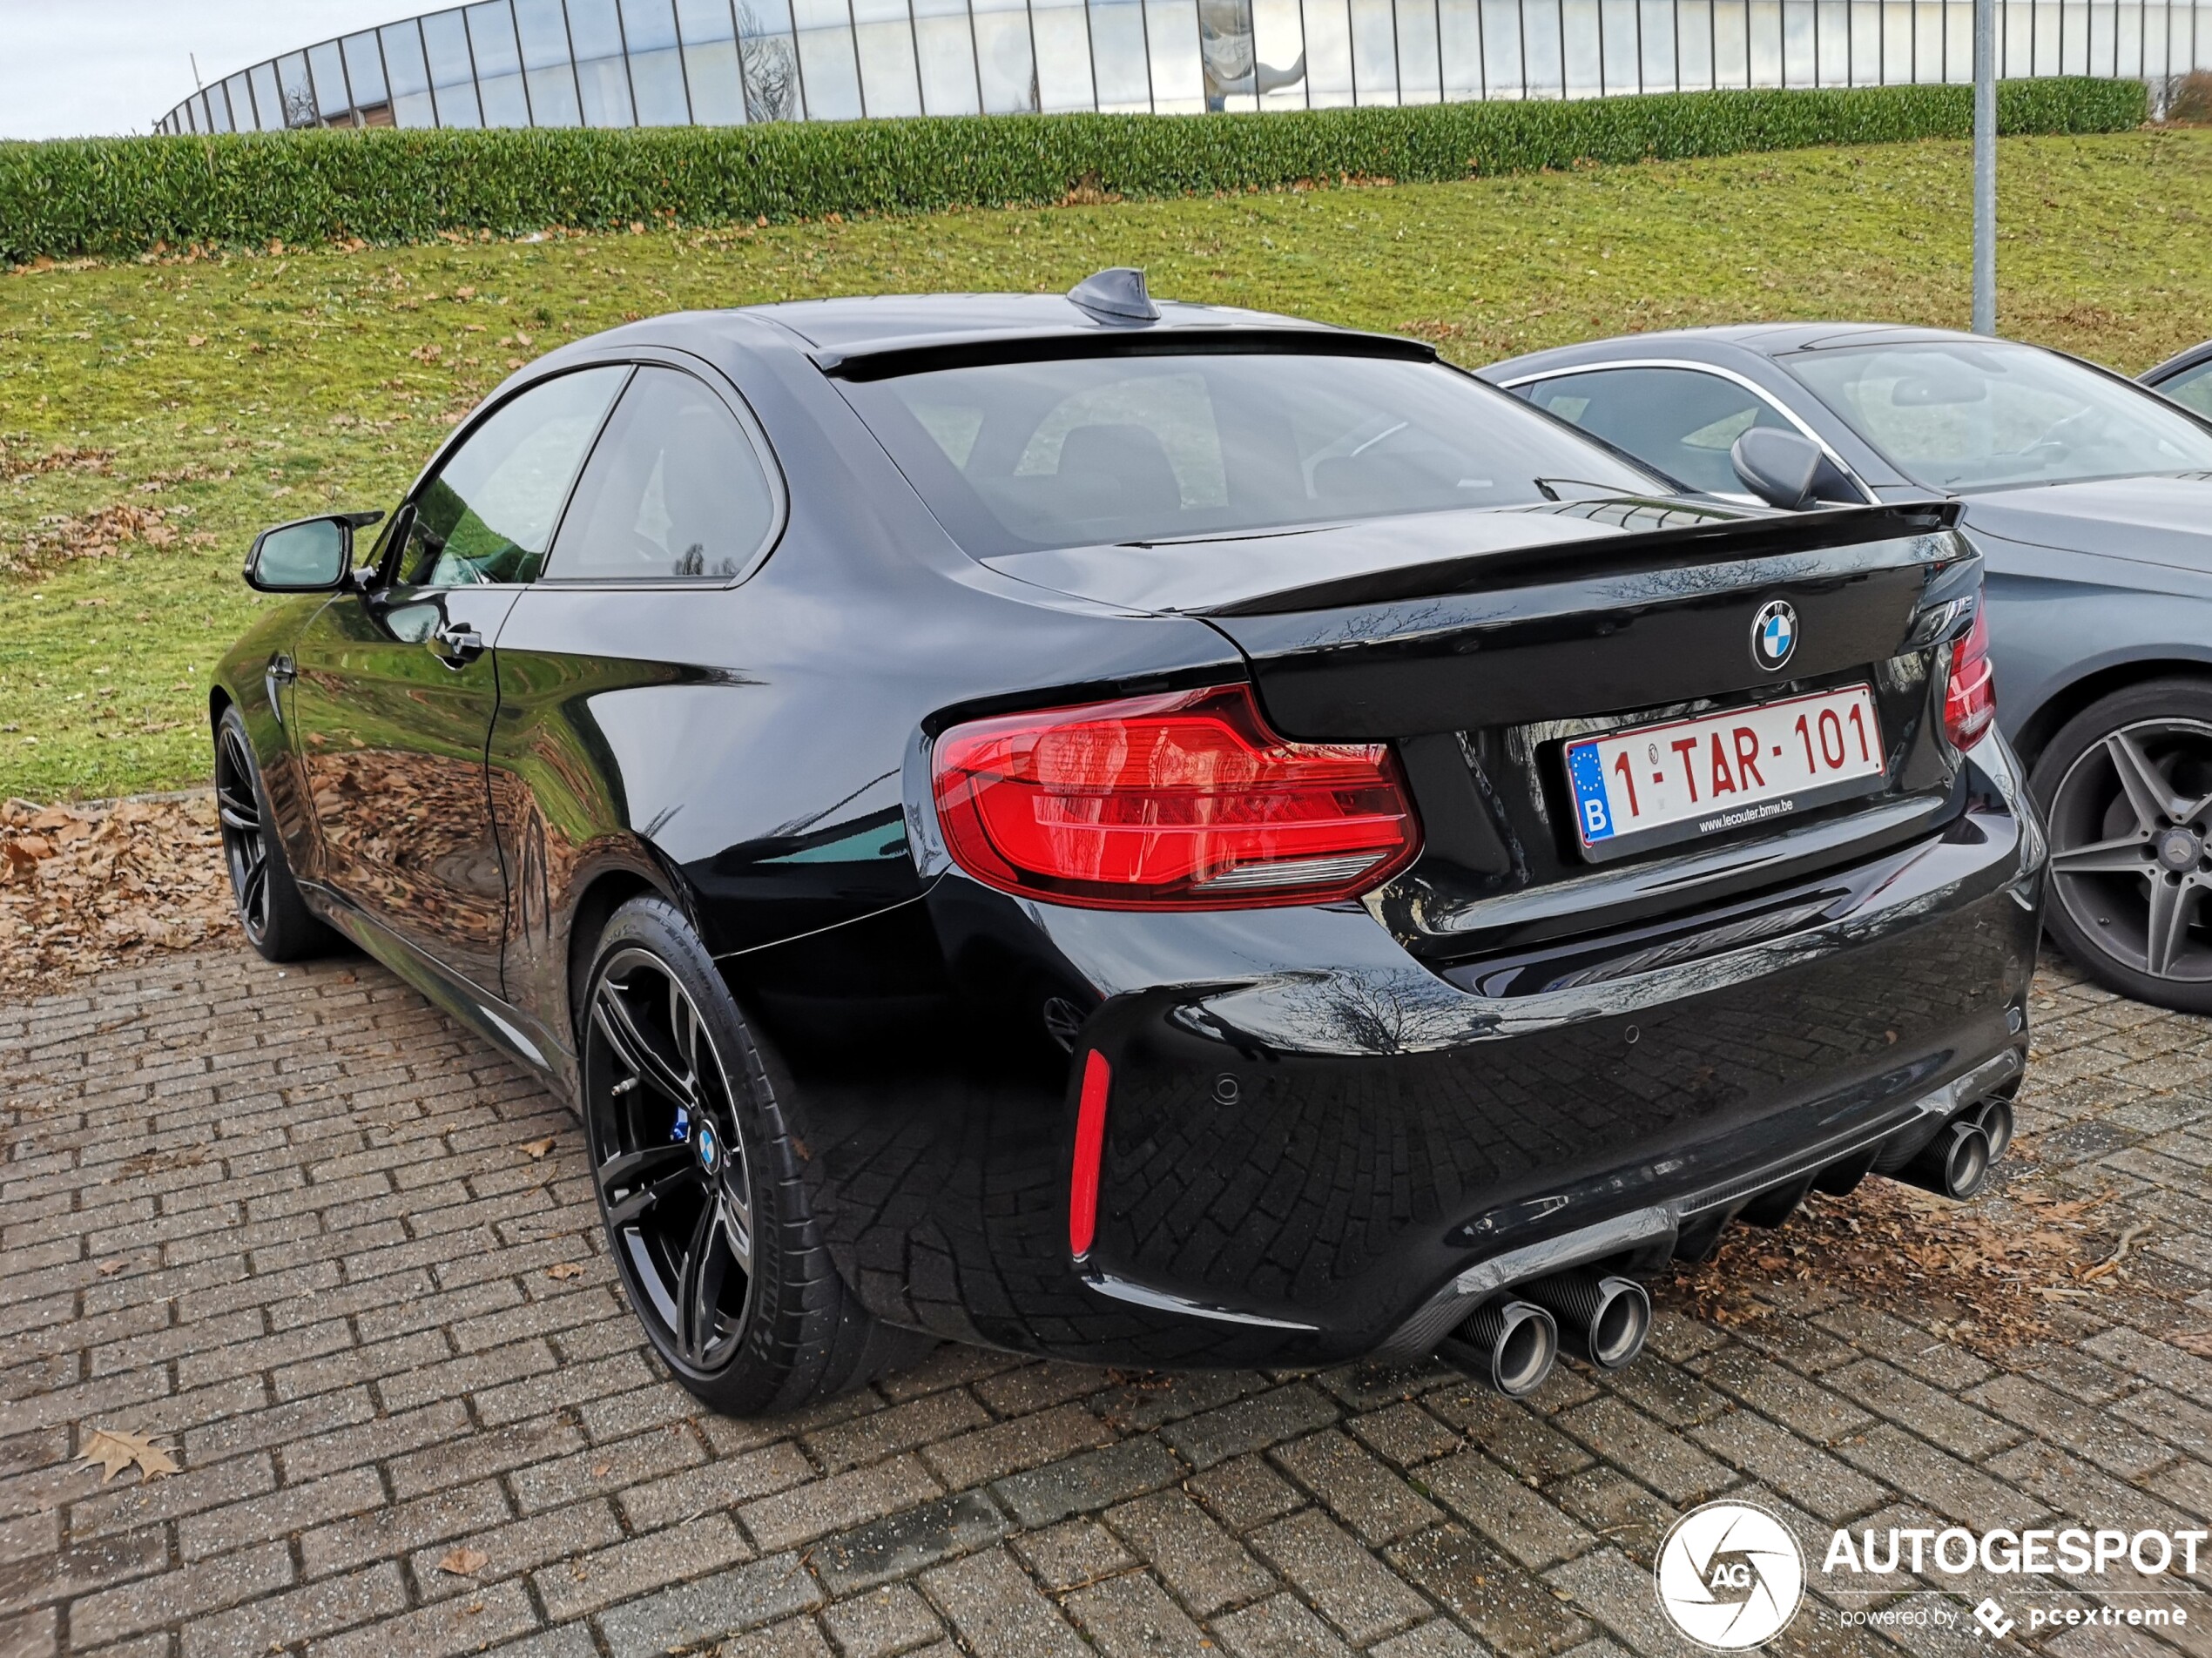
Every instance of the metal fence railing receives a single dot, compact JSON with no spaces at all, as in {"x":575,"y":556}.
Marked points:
{"x":672,"y":63}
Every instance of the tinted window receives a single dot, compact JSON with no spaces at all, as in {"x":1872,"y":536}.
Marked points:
{"x":1959,"y":415}
{"x":1013,"y":457}
{"x":674,"y":490}
{"x":1682,"y":422}
{"x":489,"y":512}
{"x":2192,"y":389}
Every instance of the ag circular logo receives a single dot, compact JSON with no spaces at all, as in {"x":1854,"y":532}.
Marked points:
{"x":1730,"y":1576}
{"x":1774,"y":634}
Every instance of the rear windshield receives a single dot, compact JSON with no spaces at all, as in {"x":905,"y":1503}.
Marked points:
{"x":1017,"y":457}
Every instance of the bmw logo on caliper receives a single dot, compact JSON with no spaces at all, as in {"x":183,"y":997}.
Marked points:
{"x":1774,"y":634}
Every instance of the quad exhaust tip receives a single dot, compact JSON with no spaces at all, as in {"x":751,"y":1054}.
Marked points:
{"x":1602,"y":1321}
{"x":1510,"y":1345}
{"x":1956,"y":1163}
{"x":1996,"y":1125}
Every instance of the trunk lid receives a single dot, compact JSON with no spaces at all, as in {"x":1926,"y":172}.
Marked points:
{"x":1482,"y":643}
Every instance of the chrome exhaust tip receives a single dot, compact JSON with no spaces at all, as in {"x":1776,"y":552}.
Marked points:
{"x":1509,"y":1344}
{"x":1996,"y":1124}
{"x":1602,"y":1321}
{"x":1954,"y":1164}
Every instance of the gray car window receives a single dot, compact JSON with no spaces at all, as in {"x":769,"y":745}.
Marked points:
{"x":487,"y":515}
{"x":1961,"y":415}
{"x":2192,"y":389}
{"x":1681,"y":421}
{"x":673,"y":491}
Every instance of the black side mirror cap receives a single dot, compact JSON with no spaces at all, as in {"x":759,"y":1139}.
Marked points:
{"x":307,"y":555}
{"x":1779,"y":467}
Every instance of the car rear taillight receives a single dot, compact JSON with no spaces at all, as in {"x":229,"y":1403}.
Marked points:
{"x":1182,"y":801}
{"x":1970,"y":697}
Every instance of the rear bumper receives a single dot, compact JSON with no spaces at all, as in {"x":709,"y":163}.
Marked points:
{"x":1317,"y":1148}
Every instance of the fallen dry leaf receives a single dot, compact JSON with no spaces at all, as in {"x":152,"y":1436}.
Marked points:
{"x":1987,"y":1273}
{"x":538,"y":1148}
{"x":564,"y":1269}
{"x":57,"y":538}
{"x":601,"y":1470}
{"x":116,"y":1449}
{"x":463,"y":1562}
{"x":89,"y":887}
{"x":109,"y":1269}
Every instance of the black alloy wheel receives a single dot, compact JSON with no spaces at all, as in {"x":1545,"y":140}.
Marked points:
{"x":274,"y":917}
{"x":2126,"y":790}
{"x":699,"y":1181}
{"x":675,"y":1181}
{"x":246,"y":846}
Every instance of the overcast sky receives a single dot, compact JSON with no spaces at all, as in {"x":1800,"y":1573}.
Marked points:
{"x":79,"y":66}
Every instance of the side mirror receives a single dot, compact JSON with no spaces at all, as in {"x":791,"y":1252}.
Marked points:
{"x":310,"y":555}
{"x":1777,"y":466}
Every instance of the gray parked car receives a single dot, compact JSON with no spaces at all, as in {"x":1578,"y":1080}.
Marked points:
{"x":2186,"y":379}
{"x":2091,"y":499}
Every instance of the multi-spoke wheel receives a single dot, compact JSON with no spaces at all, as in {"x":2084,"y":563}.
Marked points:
{"x":698,"y":1183}
{"x":674,"y":1178}
{"x":275,"y":918}
{"x":2126,"y":788}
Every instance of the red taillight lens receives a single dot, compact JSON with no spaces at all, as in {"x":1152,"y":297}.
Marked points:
{"x":1090,"y":1145}
{"x":1970,"y":698}
{"x":1182,"y":801}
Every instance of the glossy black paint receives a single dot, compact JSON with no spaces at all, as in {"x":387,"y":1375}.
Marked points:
{"x":1320,"y":1114}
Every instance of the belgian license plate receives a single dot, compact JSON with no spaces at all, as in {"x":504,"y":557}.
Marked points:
{"x":1655,"y":785}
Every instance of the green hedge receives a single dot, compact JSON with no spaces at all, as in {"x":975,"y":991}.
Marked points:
{"x":109,"y":197}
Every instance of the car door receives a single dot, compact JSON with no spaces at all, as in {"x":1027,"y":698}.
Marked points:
{"x":397,"y":684}
{"x":608,"y":735}
{"x":1681,"y":420}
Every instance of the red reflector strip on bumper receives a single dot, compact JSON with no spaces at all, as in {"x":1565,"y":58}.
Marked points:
{"x":1090,"y":1144}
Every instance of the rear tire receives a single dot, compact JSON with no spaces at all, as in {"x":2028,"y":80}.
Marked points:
{"x":698,"y":1184}
{"x":271,"y":912}
{"x":2126,"y":788}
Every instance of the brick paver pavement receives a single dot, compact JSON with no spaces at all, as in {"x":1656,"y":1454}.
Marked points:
{"x":297,"y":1224}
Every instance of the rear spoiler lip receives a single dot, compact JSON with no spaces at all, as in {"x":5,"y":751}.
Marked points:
{"x":897,"y":358}
{"x":1713,"y":542}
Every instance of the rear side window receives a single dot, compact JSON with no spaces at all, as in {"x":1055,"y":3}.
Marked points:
{"x":489,"y":513}
{"x":674,"y":491}
{"x":1018,"y":456}
{"x":2193,"y":389}
{"x":1678,"y":419}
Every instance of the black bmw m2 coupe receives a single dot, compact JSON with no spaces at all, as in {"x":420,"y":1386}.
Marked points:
{"x":1146,"y":833}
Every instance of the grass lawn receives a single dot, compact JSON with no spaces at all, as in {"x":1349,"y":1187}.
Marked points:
{"x":154,"y":415}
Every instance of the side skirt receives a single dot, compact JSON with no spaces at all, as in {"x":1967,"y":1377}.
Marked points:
{"x":499,"y":1023}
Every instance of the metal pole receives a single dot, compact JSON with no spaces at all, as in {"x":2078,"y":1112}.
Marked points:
{"x":1985,"y":166}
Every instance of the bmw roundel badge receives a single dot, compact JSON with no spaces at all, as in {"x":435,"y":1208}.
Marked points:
{"x":1774,"y":634}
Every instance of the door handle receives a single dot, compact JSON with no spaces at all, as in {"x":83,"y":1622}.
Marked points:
{"x":459,"y":645}
{"x":278,"y":674}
